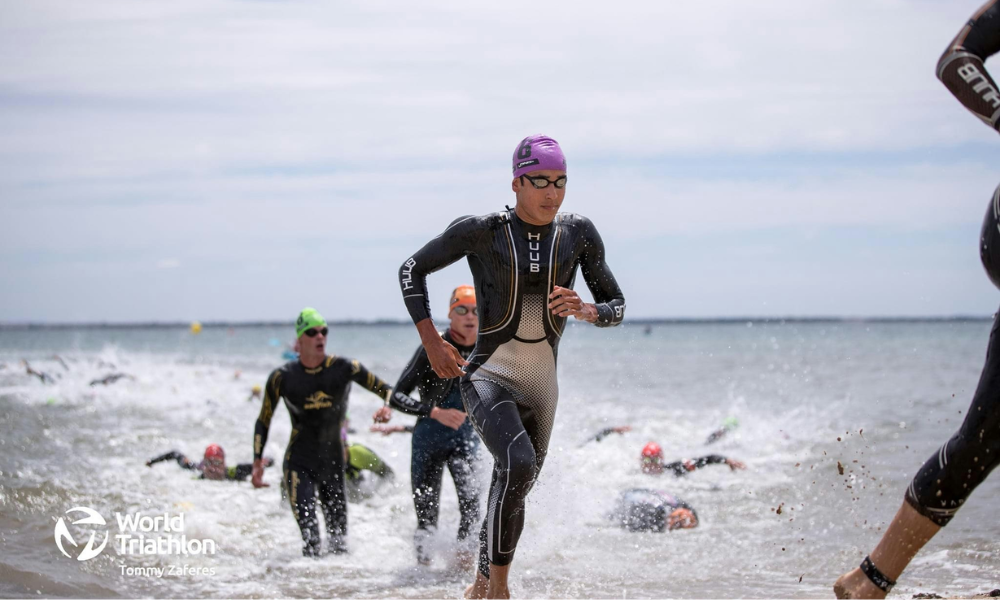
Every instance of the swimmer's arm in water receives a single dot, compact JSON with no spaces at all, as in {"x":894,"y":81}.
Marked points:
{"x":390,"y":429}
{"x":174,"y":455}
{"x":606,"y":432}
{"x":715,"y":459}
{"x":961,"y":67}
{"x":610,"y":302}
{"x":272,"y":392}
{"x":458,"y":240}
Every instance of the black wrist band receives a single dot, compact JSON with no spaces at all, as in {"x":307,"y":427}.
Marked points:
{"x":875,"y":576}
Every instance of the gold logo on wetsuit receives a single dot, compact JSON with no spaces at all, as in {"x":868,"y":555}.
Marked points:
{"x":318,"y":400}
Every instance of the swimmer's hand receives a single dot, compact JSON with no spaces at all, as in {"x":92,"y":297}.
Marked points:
{"x":445,"y":359}
{"x":735,"y":464}
{"x":449,"y":417}
{"x":382,"y":415}
{"x":257,"y":475}
{"x":564,"y":302}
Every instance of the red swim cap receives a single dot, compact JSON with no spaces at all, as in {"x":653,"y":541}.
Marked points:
{"x":652,"y":450}
{"x":215,"y":451}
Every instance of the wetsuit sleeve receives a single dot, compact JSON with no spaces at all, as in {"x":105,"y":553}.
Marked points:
{"x":414,"y":371}
{"x":240,"y":472}
{"x":608,"y":296}
{"x":711,"y":459}
{"x":175,"y":455}
{"x":599,"y":436}
{"x":272,"y":392}
{"x":676,"y":467}
{"x":456,"y":241}
{"x":370,"y":381}
{"x":961,"y":67}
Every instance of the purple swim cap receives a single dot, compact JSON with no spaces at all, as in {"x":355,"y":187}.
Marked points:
{"x":538,"y":153}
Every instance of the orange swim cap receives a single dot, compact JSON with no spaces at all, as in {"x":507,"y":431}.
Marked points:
{"x":463,"y":295}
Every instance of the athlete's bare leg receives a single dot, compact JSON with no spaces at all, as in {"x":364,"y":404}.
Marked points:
{"x":906,"y":535}
{"x":494,"y":587}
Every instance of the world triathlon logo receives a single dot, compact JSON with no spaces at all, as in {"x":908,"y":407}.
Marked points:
{"x":92,"y":518}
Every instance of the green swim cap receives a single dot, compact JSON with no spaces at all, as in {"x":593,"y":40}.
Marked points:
{"x":308,"y":318}
{"x":731,"y":422}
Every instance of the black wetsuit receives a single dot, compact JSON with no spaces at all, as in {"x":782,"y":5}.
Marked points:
{"x":314,"y":461}
{"x":510,"y":389}
{"x":947,"y":479}
{"x":641,"y":509}
{"x":961,"y":66}
{"x":680,"y":470}
{"x":239,"y":472}
{"x":436,"y":445}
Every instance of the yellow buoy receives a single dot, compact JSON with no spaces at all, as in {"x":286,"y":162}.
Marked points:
{"x":196,"y":328}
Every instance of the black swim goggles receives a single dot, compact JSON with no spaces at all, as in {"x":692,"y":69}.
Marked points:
{"x":313,"y":332}
{"x":464,"y":310}
{"x":541,"y":183}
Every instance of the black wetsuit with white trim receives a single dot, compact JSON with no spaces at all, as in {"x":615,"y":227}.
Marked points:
{"x":948,"y":477}
{"x":509,"y":388}
{"x":961,"y":66}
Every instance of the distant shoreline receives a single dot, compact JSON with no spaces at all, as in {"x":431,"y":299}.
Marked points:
{"x":394,"y":323}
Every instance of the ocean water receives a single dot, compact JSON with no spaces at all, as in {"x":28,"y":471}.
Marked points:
{"x":878,"y":398}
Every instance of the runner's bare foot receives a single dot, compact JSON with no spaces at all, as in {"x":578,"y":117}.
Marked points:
{"x":478,"y":588}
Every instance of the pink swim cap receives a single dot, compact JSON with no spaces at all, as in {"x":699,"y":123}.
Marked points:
{"x":538,"y":153}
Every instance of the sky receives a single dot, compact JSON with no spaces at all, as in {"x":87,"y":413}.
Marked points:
{"x":207,"y":160}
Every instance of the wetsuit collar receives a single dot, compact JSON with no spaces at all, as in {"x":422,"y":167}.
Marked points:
{"x":528,"y":228}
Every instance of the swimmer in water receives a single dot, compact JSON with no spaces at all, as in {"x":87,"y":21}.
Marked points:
{"x":728,"y":425}
{"x":109,"y":379}
{"x":652,"y":462}
{"x":315,"y":389}
{"x":213,"y":466}
{"x":524,"y":263}
{"x":943,"y":484}
{"x":640,"y":509}
{"x":42,"y":376}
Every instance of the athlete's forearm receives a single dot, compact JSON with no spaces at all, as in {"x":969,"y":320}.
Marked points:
{"x":961,"y":67}
{"x":172,"y":455}
{"x":272,"y":391}
{"x":414,"y":371}
{"x":711,"y":459}
{"x":608,"y":297}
